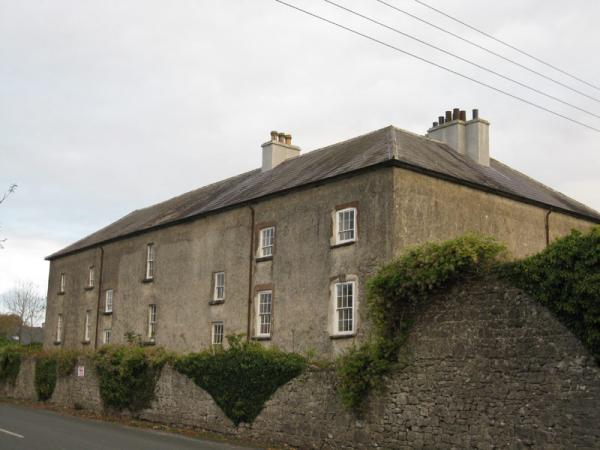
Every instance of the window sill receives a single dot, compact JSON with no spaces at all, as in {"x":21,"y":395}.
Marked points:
{"x":342,"y":336}
{"x":261,"y":338}
{"x":264,"y":258}
{"x":85,"y":342}
{"x":57,"y":342}
{"x":60,"y":293}
{"x":216,"y":302}
{"x":88,"y":288}
{"x":148,"y":343}
{"x":107,"y":313}
{"x":343,"y":244}
{"x":148,"y":280}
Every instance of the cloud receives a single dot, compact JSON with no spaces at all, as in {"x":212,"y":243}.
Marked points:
{"x":21,"y":260}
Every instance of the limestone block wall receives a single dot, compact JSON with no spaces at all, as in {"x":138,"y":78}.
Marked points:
{"x":488,"y":368}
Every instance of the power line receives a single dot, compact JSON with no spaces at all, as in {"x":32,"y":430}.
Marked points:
{"x":507,"y":44}
{"x":439,"y":66}
{"x":481,"y":47}
{"x":454,"y":55}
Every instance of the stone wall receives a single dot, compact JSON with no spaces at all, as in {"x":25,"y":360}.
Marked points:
{"x":488,"y":368}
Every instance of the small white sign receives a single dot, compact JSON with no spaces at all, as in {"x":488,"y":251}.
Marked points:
{"x":81,"y":371}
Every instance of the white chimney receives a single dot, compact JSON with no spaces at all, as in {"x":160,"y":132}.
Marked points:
{"x":470,"y":138}
{"x":277,"y":150}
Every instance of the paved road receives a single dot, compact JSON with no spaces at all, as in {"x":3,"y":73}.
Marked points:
{"x":23,"y":428}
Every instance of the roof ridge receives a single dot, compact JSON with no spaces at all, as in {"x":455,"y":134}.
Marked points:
{"x":347,"y":141}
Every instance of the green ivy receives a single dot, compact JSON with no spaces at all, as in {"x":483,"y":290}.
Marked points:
{"x":565,"y":278}
{"x":394,"y":294}
{"x":48,"y":367}
{"x":243,"y":377}
{"x":128,"y":375}
{"x":10,"y":363}
{"x":46,"y":374}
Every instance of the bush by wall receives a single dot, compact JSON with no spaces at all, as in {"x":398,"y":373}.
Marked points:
{"x":243,"y":377}
{"x":128,"y":375}
{"x":394,"y":294}
{"x":10,"y":363}
{"x":565,"y":277}
{"x":46,"y":374}
{"x":49,"y":366}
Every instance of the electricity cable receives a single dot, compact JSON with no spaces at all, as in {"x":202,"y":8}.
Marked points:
{"x":439,"y":66}
{"x":535,"y":58}
{"x":454,"y":55}
{"x":481,"y":47}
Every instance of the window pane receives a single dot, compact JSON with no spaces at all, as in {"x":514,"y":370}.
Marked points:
{"x":150,"y":261}
{"x":264,"y":313}
{"x":346,"y":225}
{"x":266,"y":241}
{"x":345,"y":306}
{"x":219,"y":293}
{"x":217,"y":333}
{"x":109,"y":300}
{"x":151,"y":321}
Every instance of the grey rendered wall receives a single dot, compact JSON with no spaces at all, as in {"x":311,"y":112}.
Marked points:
{"x":430,"y":209}
{"x":301,"y":272}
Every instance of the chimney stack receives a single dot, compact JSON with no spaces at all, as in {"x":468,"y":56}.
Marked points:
{"x":470,"y":138}
{"x":277,"y":150}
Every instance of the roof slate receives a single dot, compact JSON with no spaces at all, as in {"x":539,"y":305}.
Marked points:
{"x":390,"y":144}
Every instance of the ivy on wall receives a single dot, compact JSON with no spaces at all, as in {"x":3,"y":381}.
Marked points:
{"x":243,"y":377}
{"x":395,"y":294}
{"x":128,"y":375}
{"x":565,"y":278}
{"x":10,"y":363}
{"x":46,"y":374}
{"x":49,"y":366}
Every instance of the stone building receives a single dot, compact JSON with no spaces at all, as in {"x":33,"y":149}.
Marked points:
{"x":282,"y":253}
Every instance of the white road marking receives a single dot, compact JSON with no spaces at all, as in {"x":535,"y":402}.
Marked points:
{"x":11,"y":433}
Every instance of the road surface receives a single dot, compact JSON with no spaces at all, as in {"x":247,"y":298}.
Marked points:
{"x":24,"y":428}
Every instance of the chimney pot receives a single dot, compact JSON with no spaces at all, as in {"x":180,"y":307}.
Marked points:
{"x":435,"y":124}
{"x":468,"y":138}
{"x":278,"y":150}
{"x":441,"y":120}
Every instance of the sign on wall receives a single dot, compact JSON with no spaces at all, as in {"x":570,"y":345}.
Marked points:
{"x":80,"y":371}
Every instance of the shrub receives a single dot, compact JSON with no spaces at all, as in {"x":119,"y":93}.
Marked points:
{"x":565,"y":277}
{"x":66,"y":360}
{"x":128,"y":375}
{"x":46,"y":374}
{"x":394,"y":294}
{"x":10,"y":363}
{"x":243,"y":377}
{"x":48,"y":367}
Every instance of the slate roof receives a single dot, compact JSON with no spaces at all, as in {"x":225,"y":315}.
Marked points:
{"x":388,"y":145}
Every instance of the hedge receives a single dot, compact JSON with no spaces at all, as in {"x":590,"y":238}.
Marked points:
{"x":128,"y":375}
{"x":243,"y":377}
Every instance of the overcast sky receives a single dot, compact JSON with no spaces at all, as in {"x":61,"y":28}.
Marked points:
{"x":109,"y":106}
